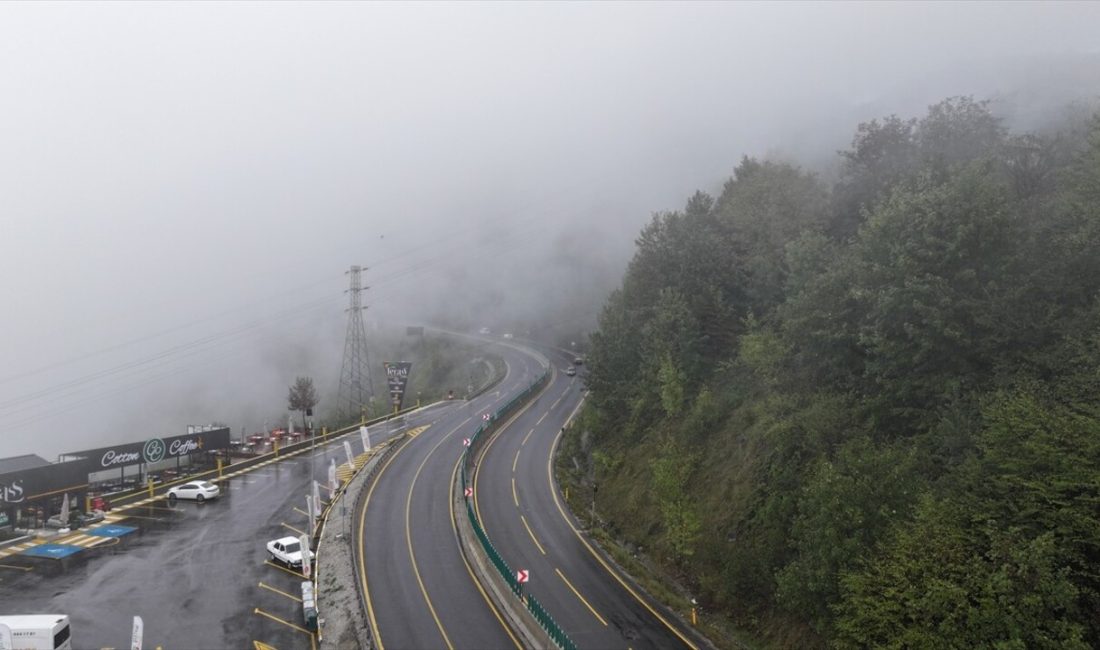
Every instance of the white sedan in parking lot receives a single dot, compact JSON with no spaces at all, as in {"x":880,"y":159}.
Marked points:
{"x":287,"y":550}
{"x":195,"y":491}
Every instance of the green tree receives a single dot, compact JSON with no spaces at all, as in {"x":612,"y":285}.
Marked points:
{"x":302,"y":397}
{"x":671,"y":470}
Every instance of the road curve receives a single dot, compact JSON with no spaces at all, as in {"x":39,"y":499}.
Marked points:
{"x":419,"y":591}
{"x":524,"y":516}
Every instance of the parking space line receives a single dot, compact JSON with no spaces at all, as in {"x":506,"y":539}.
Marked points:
{"x":279,"y":620}
{"x":300,"y":511}
{"x":283,"y":568}
{"x":300,"y":532}
{"x":281,"y":593}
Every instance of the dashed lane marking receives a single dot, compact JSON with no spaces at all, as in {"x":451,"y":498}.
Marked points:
{"x":578,"y":594}
{"x":532,"y":534}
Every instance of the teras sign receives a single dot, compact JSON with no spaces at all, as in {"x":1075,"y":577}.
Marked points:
{"x":397,"y":376}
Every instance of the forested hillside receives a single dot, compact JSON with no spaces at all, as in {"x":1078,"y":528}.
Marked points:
{"x":868,"y":414}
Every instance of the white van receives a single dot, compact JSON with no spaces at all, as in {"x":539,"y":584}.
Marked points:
{"x":35,"y":632}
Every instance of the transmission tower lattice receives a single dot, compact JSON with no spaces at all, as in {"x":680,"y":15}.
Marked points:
{"x":356,"y":387}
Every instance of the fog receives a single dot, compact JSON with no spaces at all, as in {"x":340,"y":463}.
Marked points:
{"x":182,"y":186}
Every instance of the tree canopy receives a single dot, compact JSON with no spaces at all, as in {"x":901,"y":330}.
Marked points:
{"x":868,"y":414}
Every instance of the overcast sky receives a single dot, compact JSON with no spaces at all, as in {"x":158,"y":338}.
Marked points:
{"x":183,"y":185}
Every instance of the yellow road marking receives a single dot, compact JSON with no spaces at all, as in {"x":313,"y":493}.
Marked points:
{"x":17,"y":568}
{"x":259,"y":645}
{"x":515,"y":497}
{"x":516,"y":460}
{"x":469,"y":569}
{"x":300,"y":532}
{"x":283,"y":568}
{"x":526,"y":437}
{"x":359,"y":549}
{"x":408,"y":537}
{"x":574,"y":589}
{"x":532,"y":534}
{"x":279,"y":620}
{"x":614,"y":574}
{"x":300,"y":511}
{"x":281,"y":593}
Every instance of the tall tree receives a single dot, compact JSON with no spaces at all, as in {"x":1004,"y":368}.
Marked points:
{"x":302,"y":397}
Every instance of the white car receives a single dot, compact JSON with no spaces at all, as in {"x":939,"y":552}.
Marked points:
{"x":287,"y":550}
{"x":195,"y":491}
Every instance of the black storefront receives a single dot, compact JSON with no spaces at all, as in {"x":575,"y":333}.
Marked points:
{"x":82,"y":473}
{"x":25,"y":492}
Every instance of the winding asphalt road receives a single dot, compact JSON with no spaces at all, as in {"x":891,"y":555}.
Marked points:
{"x":523,"y":513}
{"x":420,"y":592}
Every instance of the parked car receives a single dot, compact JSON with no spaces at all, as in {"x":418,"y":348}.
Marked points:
{"x":287,"y":550}
{"x":195,"y":491}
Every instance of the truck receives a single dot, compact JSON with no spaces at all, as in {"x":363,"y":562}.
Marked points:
{"x":35,"y":632}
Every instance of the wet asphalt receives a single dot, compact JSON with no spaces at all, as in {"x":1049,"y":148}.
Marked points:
{"x":197,"y":574}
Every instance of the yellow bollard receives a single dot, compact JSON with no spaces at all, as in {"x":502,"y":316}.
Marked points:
{"x":566,"y":494}
{"x":87,"y":503}
{"x":150,"y":487}
{"x":324,"y":433}
{"x":219,"y":467}
{"x":693,"y":621}
{"x":275,"y":446}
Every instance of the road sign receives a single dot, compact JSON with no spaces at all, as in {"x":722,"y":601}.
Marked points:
{"x":469,"y":492}
{"x":465,"y":442}
{"x":522,"y":576}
